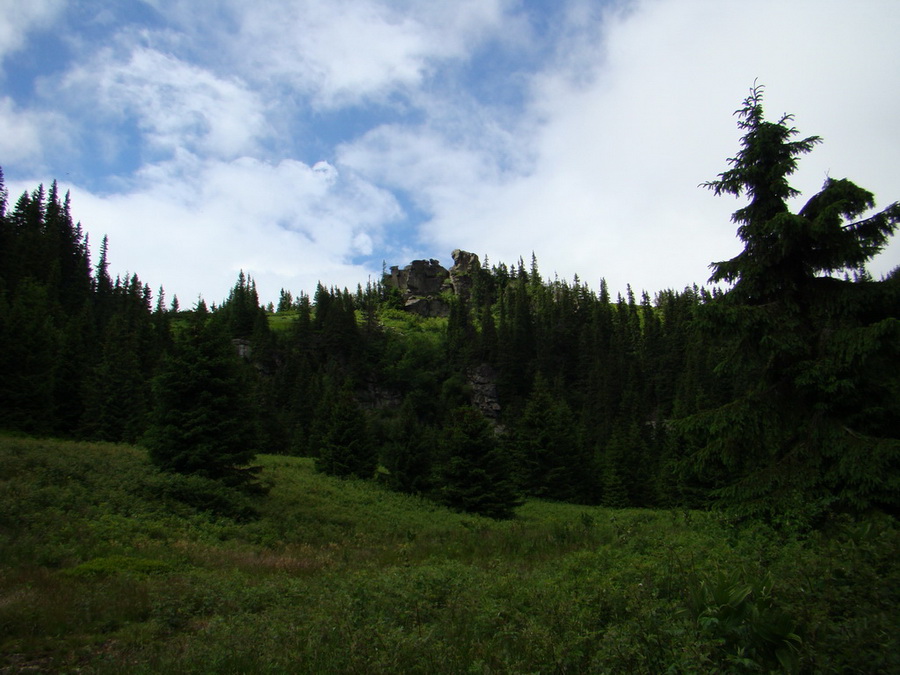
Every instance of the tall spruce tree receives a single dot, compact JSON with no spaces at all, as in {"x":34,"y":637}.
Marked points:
{"x":547,"y":447}
{"x":202,"y":420}
{"x":805,"y":350}
{"x":408,"y":453}
{"x":343,"y":443}
{"x":475,"y":475}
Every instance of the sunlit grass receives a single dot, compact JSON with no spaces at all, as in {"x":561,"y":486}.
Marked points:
{"x":409,"y":323}
{"x":280,"y":322}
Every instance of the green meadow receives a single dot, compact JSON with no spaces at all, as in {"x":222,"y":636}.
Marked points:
{"x":107,"y":566}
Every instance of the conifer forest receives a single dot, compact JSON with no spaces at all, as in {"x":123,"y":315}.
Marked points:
{"x":769,"y":395}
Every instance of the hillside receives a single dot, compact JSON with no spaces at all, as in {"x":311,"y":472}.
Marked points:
{"x":107,"y":566}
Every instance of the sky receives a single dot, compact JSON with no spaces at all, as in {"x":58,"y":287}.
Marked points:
{"x":306,"y":141}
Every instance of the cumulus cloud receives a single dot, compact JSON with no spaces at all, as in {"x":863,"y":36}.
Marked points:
{"x":29,"y":134}
{"x":175,"y":104}
{"x":193,"y":223}
{"x":340,"y":53}
{"x":20,"y":141}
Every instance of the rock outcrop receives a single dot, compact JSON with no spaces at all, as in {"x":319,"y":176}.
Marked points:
{"x":420,"y":278}
{"x":427,"y":306}
{"x":462,"y":274}
{"x":424,"y":283}
{"x":421,"y":284}
{"x":482,"y":381}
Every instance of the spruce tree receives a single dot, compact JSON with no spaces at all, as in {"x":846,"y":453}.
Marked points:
{"x":115,"y":396}
{"x":202,"y":420}
{"x":28,"y":359}
{"x":475,"y":475}
{"x":408,"y":454}
{"x":805,"y":350}
{"x":241,"y":311}
{"x":4,"y":196}
{"x":343,"y":443}
{"x":547,"y":447}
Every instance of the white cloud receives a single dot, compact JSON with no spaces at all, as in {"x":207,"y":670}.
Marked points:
{"x":27,"y":134}
{"x":176,"y":104}
{"x":17,"y":19}
{"x":339,"y":53}
{"x":20,"y":140}
{"x":191,"y":224}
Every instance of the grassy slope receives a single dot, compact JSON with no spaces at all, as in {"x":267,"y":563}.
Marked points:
{"x":105,"y":568}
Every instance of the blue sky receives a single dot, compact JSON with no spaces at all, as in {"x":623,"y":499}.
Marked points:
{"x":309,"y":140}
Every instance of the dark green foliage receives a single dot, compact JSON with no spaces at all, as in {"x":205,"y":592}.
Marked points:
{"x":342,"y":443}
{"x":778,"y":397}
{"x":460,"y":333}
{"x":115,"y":392}
{"x":119,"y":564}
{"x":409,"y":452}
{"x":202,"y":422}
{"x":745,"y":618}
{"x":285,"y":301}
{"x":78,"y":350}
{"x":99,"y":357}
{"x":28,"y":359}
{"x":785,"y":252}
{"x":128,"y":344}
{"x":4,"y":196}
{"x":806,"y":432}
{"x":241,"y":311}
{"x":547,"y":447}
{"x":474,"y":474}
{"x":202,"y":494}
{"x":45,"y":287}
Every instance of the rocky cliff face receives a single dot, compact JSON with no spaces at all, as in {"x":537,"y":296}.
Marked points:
{"x":420,"y":284}
{"x":482,"y":380}
{"x":462,"y":274}
{"x":423,"y":282}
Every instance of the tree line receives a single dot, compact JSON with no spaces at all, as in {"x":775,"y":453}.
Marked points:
{"x":778,"y":397}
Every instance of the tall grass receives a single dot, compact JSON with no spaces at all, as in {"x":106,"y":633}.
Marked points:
{"x":107,"y":567}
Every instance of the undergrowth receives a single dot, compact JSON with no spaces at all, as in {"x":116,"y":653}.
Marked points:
{"x":107,"y":566}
